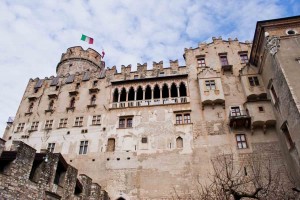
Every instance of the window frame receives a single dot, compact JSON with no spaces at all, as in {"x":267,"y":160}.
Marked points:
{"x":243,"y":56}
{"x":210,"y":84}
{"x":183,"y":118}
{"x":96,"y":120}
{"x":125,"y":122}
{"x":253,"y":81}
{"x":34,"y":126}
{"x":51,"y":147}
{"x":20,"y":127}
{"x":78,"y":121}
{"x":49,"y":124}
{"x":63,"y":123}
{"x":83,"y":147}
{"x":224,"y":60}
{"x":243,"y":142}
{"x":201,"y":62}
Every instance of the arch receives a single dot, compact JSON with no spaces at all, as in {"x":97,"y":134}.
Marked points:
{"x":165,"y":91}
{"x":51,"y":104}
{"x":139,"y":95}
{"x":116,"y":95}
{"x":156,"y":92}
{"x":121,"y":198}
{"x":72,"y":102}
{"x":123,"y":95}
{"x":179,"y":142}
{"x":93,"y":100}
{"x":131,"y":94}
{"x":174,"y":92}
{"x":148,"y":92}
{"x":182,"y":90}
{"x":30,"y":108}
{"x":110,"y":145}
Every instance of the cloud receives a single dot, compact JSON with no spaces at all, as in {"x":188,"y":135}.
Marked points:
{"x":34,"y":34}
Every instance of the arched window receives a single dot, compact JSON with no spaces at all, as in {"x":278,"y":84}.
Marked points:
{"x":174,"y":92}
{"x":148,"y":92}
{"x":179,"y":142}
{"x":51,"y":104}
{"x":30,"y":108}
{"x":93,"y":100}
{"x":139,"y":95}
{"x":182,"y":90}
{"x":111,"y":145}
{"x":156,"y":92}
{"x":72,"y":103}
{"x":131,"y":94}
{"x":116,"y":95}
{"x":165,"y":91}
{"x":123,"y":95}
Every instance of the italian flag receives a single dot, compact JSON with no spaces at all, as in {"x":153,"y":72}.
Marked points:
{"x":87,"y":39}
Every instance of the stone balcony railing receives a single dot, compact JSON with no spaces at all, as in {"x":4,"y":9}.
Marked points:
{"x":150,"y":102}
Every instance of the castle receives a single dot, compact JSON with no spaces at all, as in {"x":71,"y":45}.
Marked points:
{"x":141,"y":134}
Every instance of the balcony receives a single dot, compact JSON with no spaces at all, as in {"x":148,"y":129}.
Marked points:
{"x":150,"y":102}
{"x":239,"y":119}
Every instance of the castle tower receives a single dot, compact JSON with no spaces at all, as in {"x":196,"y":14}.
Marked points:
{"x":76,"y":59}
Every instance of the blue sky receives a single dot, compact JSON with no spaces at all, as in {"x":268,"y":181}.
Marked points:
{"x":34,"y":33}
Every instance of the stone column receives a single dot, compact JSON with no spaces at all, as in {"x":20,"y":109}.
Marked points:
{"x":144,"y":94}
{"x":119,"y":97}
{"x":152,"y":94}
{"x":178,"y":92}
{"x":169,"y":89}
{"x":135,"y":93}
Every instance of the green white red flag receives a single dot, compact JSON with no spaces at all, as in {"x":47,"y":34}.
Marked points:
{"x":87,"y":39}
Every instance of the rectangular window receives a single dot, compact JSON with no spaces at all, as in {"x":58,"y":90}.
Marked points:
{"x":183,"y":118}
{"x":210,"y":84}
{"x":241,"y":141}
{"x":179,"y":119}
{"x":78,"y":121}
{"x":273,"y":94}
{"x":83,"y":147}
{"x":20,"y":127}
{"x":261,"y":109}
{"x":48,"y":124}
{"x":286,"y":132}
{"x":125,"y":122}
{"x":77,"y":86}
{"x":201,"y":62}
{"x":235,"y":111}
{"x":34,"y":126}
{"x":63,"y":123}
{"x":51,"y":147}
{"x":96,"y":120}
{"x":136,"y":77}
{"x":253,"y":80}
{"x":244,"y":58}
{"x":95,"y":83}
{"x":223,"y":59}
{"x":161,"y":73}
{"x":187,"y":118}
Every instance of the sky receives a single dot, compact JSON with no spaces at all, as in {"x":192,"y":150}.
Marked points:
{"x":34,"y":33}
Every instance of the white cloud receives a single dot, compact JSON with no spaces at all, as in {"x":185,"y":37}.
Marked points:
{"x":34,"y":34}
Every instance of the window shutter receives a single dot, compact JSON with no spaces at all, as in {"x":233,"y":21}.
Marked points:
{"x":54,"y":81}
{"x":70,"y":79}
{"x":39,"y":84}
{"x":86,"y":76}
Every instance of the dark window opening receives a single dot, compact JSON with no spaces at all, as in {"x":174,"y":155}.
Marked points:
{"x":224,"y":60}
{"x":139,"y":95}
{"x":144,"y":140}
{"x":51,"y":104}
{"x":131,"y":94}
{"x":261,"y":109}
{"x":93,"y":100}
{"x":95,"y":83}
{"x":165,"y":91}
{"x":72,"y":103}
{"x":116,"y":95}
{"x":148,"y":92}
{"x":123,"y":95}
{"x":156,"y":92}
{"x":253,"y":80}
{"x":182,"y":90}
{"x":121,"y":123}
{"x":77,"y":86}
{"x":174,"y":92}
{"x":30,"y":108}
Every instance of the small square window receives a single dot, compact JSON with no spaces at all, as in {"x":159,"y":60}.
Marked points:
{"x":48,"y":124}
{"x":261,"y":109}
{"x":144,"y":140}
{"x":244,"y":58}
{"x":51,"y":147}
{"x":183,"y":118}
{"x":223,"y":59}
{"x":78,"y":121}
{"x":96,"y":120}
{"x":210,"y":84}
{"x":136,"y":77}
{"x":63,"y":123}
{"x":20,"y":127}
{"x":95,"y":83}
{"x":125,"y":122}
